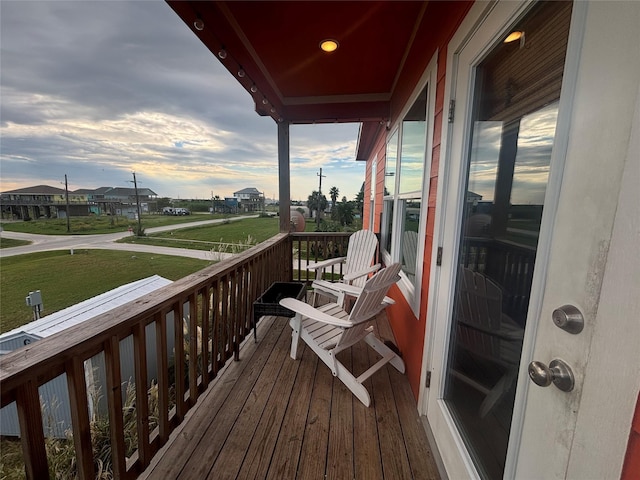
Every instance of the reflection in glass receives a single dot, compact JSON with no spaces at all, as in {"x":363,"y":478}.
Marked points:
{"x":390,"y":165}
{"x":387,"y":233}
{"x":511,"y":140}
{"x":409,"y":239}
{"x":413,"y":146}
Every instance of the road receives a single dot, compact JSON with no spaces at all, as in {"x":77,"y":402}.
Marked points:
{"x":107,"y":241}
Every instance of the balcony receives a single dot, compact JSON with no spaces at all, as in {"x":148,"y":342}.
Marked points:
{"x":263,"y":415}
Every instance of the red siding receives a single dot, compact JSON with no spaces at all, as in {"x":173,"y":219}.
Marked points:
{"x":439,"y":23}
{"x":631,"y":469}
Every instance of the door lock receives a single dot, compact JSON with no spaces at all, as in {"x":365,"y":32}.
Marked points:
{"x":558,"y":372}
{"x":568,"y":318}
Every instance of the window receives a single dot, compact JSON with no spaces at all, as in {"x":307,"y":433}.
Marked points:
{"x":408,"y":156}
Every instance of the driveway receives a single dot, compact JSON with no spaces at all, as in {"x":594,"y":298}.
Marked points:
{"x":41,"y":243}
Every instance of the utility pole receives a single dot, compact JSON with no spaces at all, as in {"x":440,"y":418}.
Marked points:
{"x":135,"y":186}
{"x":319,"y":196}
{"x":66,"y":194}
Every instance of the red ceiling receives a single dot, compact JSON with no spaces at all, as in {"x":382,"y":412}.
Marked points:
{"x":277,"y":45}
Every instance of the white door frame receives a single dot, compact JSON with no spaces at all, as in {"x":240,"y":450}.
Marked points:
{"x":485,"y":23}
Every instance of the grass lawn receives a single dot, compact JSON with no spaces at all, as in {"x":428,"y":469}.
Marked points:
{"x":10,"y":242}
{"x":208,"y":236}
{"x":65,"y":279}
{"x":100,"y":224}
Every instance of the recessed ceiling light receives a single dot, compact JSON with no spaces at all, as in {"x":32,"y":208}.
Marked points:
{"x":513,"y":36}
{"x":329,"y":45}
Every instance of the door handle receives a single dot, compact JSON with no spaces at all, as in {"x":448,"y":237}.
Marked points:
{"x":558,"y":372}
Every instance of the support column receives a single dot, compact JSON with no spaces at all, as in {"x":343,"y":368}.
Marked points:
{"x":504,"y":179}
{"x":284,"y":177}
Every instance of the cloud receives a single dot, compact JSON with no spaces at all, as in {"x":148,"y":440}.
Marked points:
{"x":96,"y":90}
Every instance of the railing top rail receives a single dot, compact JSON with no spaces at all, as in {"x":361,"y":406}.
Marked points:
{"x":41,"y":357}
{"x":320,"y":234}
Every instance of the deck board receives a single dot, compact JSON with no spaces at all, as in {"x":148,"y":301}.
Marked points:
{"x":268,"y":416}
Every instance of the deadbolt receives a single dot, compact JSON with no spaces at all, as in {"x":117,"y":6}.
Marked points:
{"x":568,"y":318}
{"x":558,"y":372}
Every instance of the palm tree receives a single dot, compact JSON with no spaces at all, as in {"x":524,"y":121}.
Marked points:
{"x":333,"y":193}
{"x":316,"y":201}
{"x":344,"y":212}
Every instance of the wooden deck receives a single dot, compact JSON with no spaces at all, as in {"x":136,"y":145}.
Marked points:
{"x":268,"y":416}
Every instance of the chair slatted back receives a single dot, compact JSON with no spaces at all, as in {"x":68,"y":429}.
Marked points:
{"x":480,"y":302}
{"x":361,"y":254}
{"x":370,"y":301}
{"x":409,"y":251}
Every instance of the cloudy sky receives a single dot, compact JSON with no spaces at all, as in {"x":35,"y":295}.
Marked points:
{"x":100,"y":89}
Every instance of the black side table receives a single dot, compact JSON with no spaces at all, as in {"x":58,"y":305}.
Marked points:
{"x":268,"y":302}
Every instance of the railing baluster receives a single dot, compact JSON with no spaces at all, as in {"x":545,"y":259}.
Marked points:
{"x":114,"y":401}
{"x":179,"y":360}
{"x":142,"y":399}
{"x":193,"y":348}
{"x":80,"y":421}
{"x":163,"y":376}
{"x":215,"y":327}
{"x":205,"y":336}
{"x":32,"y":435}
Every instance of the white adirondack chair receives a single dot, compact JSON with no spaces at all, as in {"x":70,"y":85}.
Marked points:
{"x":486,"y":332}
{"x":358,"y":265}
{"x":330,"y":329}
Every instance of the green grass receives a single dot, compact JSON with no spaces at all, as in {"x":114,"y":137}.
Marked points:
{"x":100,"y":224}
{"x":10,"y":242}
{"x":260,"y":229}
{"x":65,"y":279}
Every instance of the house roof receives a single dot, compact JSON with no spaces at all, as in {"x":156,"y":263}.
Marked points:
{"x":129,"y":192}
{"x":37,"y":190}
{"x":250,"y":190}
{"x":84,"y":311}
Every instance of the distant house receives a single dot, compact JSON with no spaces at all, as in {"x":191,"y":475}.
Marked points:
{"x":51,"y":202}
{"x":42,"y":201}
{"x":249,"y":200}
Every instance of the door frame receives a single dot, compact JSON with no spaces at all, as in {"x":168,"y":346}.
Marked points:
{"x":485,"y":24}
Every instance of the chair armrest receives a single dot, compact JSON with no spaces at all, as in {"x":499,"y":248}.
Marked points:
{"x":351,"y":290}
{"x":308,"y":311}
{"x":326,"y":263}
{"x":361,"y":273}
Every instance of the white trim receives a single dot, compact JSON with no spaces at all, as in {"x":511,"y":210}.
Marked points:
{"x":412,"y":290}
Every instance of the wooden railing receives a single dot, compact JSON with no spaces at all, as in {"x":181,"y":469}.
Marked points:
{"x":309,"y":248}
{"x":185,"y":332}
{"x":509,"y":264}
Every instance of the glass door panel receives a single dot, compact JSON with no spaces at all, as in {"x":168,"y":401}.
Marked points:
{"x":512,"y":134}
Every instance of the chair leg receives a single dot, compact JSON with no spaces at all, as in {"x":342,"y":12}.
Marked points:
{"x":352,"y":384}
{"x":383,"y":350}
{"x":296,"y":324}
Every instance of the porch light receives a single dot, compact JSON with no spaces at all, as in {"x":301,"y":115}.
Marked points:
{"x":254,"y":89}
{"x":241,"y":73}
{"x":198,"y":24}
{"x":265,"y":101}
{"x":222,"y":54}
{"x":513,"y":36}
{"x":329,"y":45}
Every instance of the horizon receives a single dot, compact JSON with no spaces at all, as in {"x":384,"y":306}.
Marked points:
{"x":112,"y":88}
